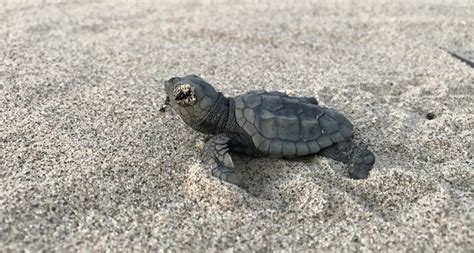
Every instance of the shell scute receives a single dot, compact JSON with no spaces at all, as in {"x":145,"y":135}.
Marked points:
{"x":288,"y":128}
{"x":252,"y":101}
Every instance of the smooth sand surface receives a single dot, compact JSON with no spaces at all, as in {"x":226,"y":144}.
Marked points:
{"x":88,"y":162}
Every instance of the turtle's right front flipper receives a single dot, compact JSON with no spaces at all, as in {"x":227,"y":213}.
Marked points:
{"x":216,"y":155}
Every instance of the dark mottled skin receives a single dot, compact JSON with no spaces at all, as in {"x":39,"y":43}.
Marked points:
{"x":261,"y":123}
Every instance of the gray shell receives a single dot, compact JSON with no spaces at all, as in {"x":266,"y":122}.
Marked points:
{"x":285,"y":126}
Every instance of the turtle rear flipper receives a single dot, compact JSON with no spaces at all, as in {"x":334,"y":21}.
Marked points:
{"x":358,"y":157}
{"x":361,"y":163}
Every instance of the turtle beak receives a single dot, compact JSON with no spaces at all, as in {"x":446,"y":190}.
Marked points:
{"x":168,"y":88}
{"x":169,"y":85}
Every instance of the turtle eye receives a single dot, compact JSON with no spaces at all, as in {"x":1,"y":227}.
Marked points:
{"x":184,"y":95}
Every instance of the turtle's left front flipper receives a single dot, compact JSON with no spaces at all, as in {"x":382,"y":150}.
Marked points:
{"x":309,"y":100}
{"x":216,"y":155}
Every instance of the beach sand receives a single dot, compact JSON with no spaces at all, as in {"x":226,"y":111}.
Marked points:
{"x":88,"y":162}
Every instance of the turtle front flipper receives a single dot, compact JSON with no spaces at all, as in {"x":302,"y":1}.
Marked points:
{"x":309,"y":100}
{"x":216,"y":155}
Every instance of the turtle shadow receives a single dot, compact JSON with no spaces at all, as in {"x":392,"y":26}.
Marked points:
{"x":255,"y":176}
{"x":263,"y":176}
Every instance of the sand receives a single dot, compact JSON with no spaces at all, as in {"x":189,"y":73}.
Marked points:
{"x":89,"y":163}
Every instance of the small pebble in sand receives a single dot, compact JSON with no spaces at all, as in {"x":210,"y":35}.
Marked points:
{"x":162,"y":108}
{"x":430,"y":116}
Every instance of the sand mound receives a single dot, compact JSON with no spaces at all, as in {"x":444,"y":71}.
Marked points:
{"x":210,"y":193}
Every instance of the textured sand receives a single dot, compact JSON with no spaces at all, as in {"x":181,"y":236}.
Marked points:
{"x":87,"y":161}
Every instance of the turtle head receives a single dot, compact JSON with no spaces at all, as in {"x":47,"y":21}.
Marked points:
{"x":191,"y":97}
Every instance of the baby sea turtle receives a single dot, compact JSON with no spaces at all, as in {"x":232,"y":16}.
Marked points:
{"x":262,"y":123}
